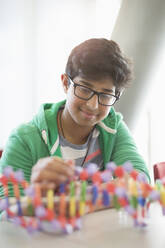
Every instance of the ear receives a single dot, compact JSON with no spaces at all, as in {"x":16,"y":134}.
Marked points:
{"x":64,"y":80}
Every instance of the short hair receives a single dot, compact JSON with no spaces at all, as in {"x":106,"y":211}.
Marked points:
{"x":99,"y":58}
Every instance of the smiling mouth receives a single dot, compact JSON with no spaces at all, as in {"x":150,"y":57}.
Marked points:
{"x":88,"y":115}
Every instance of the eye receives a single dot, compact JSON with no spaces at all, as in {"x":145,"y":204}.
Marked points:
{"x":84,"y":90}
{"x":106,"y":97}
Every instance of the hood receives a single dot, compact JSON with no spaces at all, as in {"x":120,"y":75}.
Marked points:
{"x":45,"y":120}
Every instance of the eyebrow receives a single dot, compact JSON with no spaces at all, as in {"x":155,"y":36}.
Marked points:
{"x":103,"y":89}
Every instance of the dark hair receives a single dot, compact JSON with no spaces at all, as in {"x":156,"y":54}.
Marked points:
{"x":95,"y":59}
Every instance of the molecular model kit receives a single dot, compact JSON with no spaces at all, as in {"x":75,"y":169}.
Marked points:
{"x":120,"y":187}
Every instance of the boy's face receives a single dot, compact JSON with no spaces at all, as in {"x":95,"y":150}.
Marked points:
{"x":87,"y":112}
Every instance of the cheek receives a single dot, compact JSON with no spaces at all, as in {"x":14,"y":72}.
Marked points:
{"x":105,"y":111}
{"x":72,"y":102}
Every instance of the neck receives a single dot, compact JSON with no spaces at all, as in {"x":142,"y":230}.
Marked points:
{"x":71,"y":131}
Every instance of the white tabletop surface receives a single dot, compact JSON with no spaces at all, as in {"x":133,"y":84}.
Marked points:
{"x":107,"y":228}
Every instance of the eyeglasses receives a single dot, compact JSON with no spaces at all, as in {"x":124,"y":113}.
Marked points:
{"x":86,"y":93}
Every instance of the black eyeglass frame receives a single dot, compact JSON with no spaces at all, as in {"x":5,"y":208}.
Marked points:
{"x":93,"y":93}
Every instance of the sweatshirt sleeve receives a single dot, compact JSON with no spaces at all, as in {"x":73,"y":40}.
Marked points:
{"x":125,"y":149}
{"x":17,"y":154}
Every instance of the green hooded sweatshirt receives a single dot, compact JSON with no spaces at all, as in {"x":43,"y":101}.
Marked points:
{"x":40,"y":138}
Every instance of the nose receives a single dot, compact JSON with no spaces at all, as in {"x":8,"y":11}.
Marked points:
{"x":92,"y":103}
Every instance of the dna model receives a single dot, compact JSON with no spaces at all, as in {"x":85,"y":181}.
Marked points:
{"x":121,"y":187}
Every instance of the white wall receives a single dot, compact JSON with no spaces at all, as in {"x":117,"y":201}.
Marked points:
{"x":156,"y":105}
{"x":16,"y":84}
{"x":150,"y":130}
{"x":61,"y":26}
{"x":36,"y":37}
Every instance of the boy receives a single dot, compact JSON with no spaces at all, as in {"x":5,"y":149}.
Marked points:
{"x":85,"y":127}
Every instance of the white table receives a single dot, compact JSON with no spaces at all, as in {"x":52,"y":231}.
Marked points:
{"x":107,"y":228}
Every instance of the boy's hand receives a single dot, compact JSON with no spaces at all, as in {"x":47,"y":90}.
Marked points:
{"x":49,"y":172}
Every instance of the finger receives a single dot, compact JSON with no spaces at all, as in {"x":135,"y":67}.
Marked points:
{"x":47,"y":185}
{"x":70,"y":162}
{"x":47,"y":162}
{"x":59,"y":165}
{"x":55,"y":164}
{"x":63,"y":169}
{"x":49,"y":176}
{"x":43,"y":187}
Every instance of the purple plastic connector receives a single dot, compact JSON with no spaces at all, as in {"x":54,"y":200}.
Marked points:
{"x":7,"y":171}
{"x":91,"y":168}
{"x":30,"y":191}
{"x":19,"y":176}
{"x":106,"y":176}
{"x":111,"y":166}
{"x":40,"y":212}
{"x":120,"y":192}
{"x":3,"y":204}
{"x":128,"y":167}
